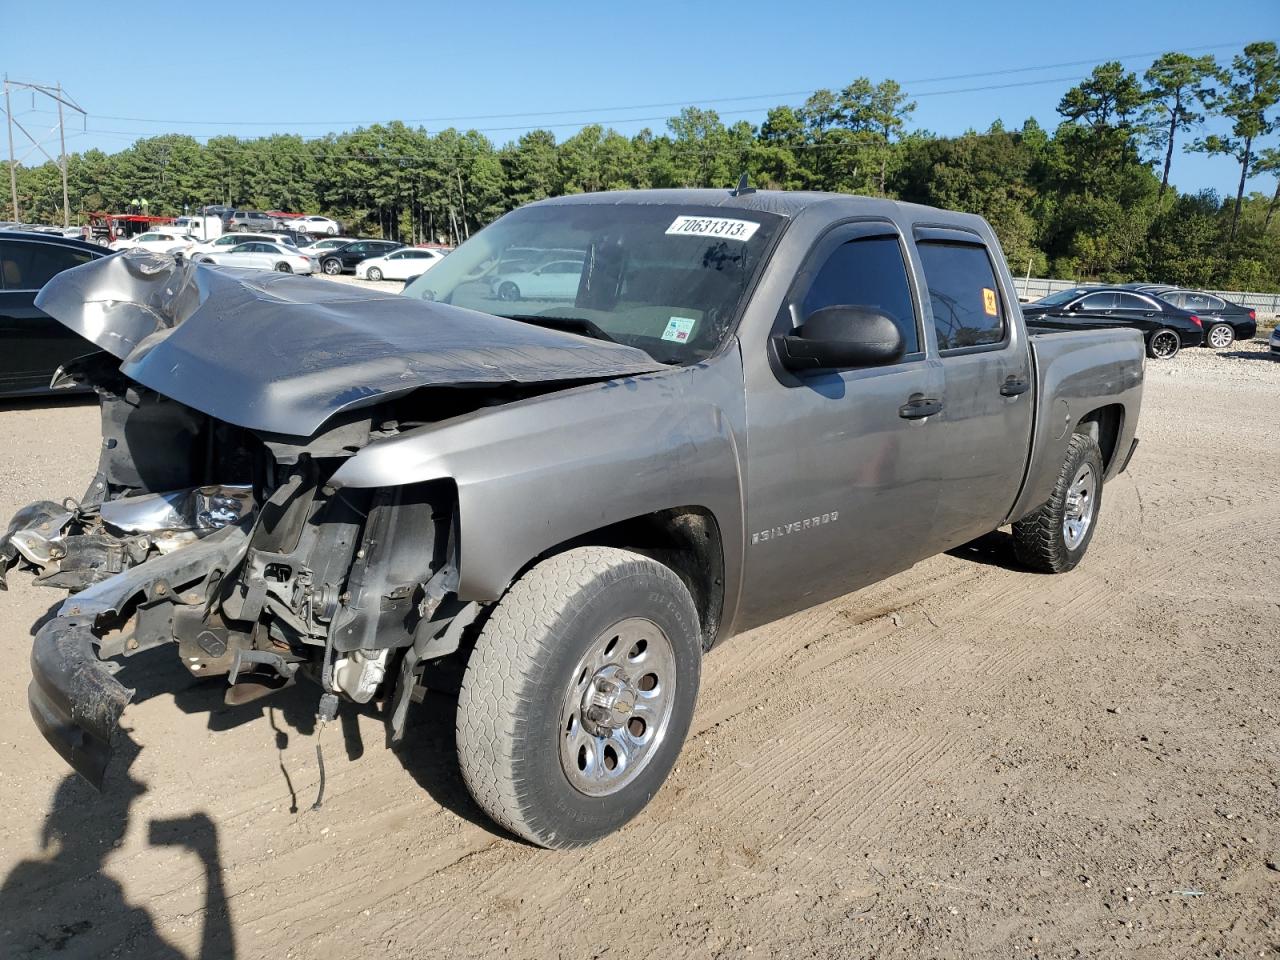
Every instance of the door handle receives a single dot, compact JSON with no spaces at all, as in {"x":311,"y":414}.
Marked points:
{"x":1014,"y":385}
{"x":918,"y":406}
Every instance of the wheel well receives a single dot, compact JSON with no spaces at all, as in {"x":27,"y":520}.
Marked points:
{"x":686,"y":539}
{"x":1104,"y":426}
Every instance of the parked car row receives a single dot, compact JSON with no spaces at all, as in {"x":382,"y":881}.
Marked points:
{"x":257,"y":221}
{"x":1169,"y":317}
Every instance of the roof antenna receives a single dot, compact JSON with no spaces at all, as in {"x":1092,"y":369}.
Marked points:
{"x":744,"y":187}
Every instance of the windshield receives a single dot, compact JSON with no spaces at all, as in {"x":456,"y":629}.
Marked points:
{"x":1061,"y":297}
{"x":665,"y":278}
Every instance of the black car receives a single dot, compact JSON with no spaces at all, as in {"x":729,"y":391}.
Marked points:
{"x":35,"y":344}
{"x":1166,"y":328}
{"x":343,"y":259}
{"x":1224,"y":322}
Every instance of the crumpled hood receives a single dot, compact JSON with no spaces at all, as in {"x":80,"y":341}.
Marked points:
{"x":282,"y":353}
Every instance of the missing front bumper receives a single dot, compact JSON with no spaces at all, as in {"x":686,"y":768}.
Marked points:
{"x":74,"y":699}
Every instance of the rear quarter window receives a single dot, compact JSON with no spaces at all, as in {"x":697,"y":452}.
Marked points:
{"x":967,"y":309}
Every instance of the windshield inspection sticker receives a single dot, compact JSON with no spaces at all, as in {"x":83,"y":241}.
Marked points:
{"x":678,"y":329}
{"x":989,"y":301}
{"x":720,"y":227}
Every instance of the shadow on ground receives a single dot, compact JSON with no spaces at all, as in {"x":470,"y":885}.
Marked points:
{"x":994,"y":549}
{"x":427,"y":751}
{"x":66,"y":904}
{"x":49,"y":401}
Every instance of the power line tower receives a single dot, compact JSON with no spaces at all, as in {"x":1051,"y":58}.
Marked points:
{"x":63,"y":99}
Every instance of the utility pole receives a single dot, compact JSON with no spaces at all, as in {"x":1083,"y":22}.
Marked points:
{"x":13,"y":163}
{"x":62,"y":157}
{"x":62,"y":98}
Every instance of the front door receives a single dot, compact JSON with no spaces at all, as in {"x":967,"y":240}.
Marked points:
{"x":840,"y":466}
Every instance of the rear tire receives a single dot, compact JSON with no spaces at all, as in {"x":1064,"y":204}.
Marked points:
{"x":508,"y":291}
{"x":1164,"y":344}
{"x":562,"y":678}
{"x":1055,"y":537}
{"x":283,"y":267}
{"x":1220,"y":336}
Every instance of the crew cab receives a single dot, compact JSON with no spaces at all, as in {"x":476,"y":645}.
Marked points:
{"x":753,"y":402}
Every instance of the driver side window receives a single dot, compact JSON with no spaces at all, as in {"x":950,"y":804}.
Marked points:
{"x":868,"y":272}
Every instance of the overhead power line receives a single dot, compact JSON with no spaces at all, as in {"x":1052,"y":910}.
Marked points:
{"x":424,"y":121}
{"x":573,"y":124}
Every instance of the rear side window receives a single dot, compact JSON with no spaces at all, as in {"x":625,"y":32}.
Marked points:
{"x":868,"y":272}
{"x":1131,"y":301}
{"x":1099,"y":301}
{"x":29,"y":266}
{"x":962,"y":290}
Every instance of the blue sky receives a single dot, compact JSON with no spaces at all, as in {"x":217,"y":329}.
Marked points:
{"x":312,"y":67}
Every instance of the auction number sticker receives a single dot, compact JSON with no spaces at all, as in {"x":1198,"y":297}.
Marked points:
{"x":989,"y":302}
{"x":722,"y":227}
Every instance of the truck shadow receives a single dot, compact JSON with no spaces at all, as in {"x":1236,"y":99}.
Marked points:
{"x":65,"y":902}
{"x":994,"y":549}
{"x":427,"y":751}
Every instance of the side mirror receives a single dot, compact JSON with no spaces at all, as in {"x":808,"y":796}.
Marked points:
{"x":1075,"y":306}
{"x":841,"y":336}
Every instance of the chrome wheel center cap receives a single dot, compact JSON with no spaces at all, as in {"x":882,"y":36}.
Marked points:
{"x":608,"y":702}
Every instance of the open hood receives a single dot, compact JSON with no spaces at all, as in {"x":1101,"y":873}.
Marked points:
{"x":282,"y":354}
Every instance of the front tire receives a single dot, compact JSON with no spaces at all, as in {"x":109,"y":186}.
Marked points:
{"x":374,"y":274}
{"x":1220,"y":336}
{"x":579,"y":694}
{"x":1055,"y":537}
{"x":1164,"y":344}
{"x":508,"y":291}
{"x":332,"y":267}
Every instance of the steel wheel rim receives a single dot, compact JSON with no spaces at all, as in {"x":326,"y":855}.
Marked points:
{"x":1081,"y":499}
{"x":1164,"y":344}
{"x":617,"y":707}
{"x":1221,"y":336}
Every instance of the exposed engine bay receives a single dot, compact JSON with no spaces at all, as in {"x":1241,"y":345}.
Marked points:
{"x":216,"y":526}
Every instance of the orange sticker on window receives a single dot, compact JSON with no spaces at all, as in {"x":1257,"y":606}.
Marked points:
{"x":989,"y":301}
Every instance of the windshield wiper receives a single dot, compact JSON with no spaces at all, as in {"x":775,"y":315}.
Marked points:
{"x":579,"y":325}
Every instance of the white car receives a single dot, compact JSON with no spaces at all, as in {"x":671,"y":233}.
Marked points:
{"x":259,"y":255}
{"x":314,"y":224}
{"x":230,"y":241}
{"x":158,"y":241}
{"x":557,"y":280}
{"x":400,"y":265}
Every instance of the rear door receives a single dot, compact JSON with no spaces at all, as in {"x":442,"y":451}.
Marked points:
{"x":1138,"y":310}
{"x":35,"y":344}
{"x":985,"y":429}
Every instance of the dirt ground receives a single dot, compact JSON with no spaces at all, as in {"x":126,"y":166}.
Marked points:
{"x":964,"y":761}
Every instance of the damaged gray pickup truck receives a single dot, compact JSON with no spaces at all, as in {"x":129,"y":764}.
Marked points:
{"x":604,"y":434}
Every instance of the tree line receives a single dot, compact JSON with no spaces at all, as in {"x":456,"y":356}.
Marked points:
{"x":1090,"y":199}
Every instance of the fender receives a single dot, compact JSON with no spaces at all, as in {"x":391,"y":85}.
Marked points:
{"x":535,"y":473}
